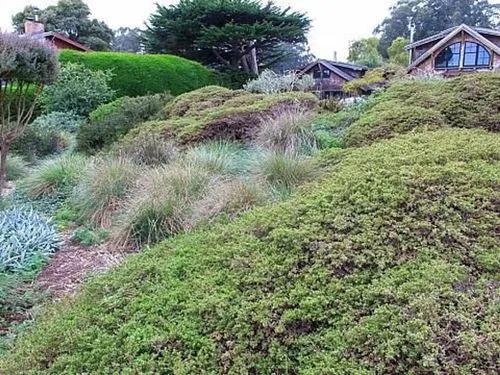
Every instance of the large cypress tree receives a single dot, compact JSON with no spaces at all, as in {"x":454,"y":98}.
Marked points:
{"x":231,"y":33}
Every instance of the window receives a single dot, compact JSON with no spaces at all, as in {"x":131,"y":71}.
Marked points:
{"x":449,"y":57}
{"x":326,"y":73}
{"x":476,"y":55}
{"x":317,"y":73}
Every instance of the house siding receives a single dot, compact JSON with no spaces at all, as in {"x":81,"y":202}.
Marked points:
{"x":427,"y":66}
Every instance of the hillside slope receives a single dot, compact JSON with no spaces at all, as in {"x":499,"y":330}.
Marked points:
{"x":389,"y":264}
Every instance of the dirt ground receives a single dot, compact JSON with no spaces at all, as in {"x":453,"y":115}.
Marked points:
{"x":73,"y":264}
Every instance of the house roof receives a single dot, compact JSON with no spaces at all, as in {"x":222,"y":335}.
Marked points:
{"x":442,"y":34}
{"x":336,"y":67}
{"x":53,"y":35}
{"x":445,"y":38}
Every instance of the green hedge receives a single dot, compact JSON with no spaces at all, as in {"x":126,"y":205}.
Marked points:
{"x":136,"y":75}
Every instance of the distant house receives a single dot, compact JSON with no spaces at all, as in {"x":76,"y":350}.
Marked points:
{"x":330,"y":76}
{"x":36,"y":30}
{"x":456,"y":50}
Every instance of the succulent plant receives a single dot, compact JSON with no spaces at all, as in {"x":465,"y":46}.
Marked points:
{"x":25,"y":236}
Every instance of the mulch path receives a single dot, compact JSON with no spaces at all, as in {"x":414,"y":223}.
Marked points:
{"x":70,"y":266}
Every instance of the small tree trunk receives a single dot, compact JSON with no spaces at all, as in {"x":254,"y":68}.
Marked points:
{"x":3,"y":166}
{"x":254,"y":66}
{"x":244,"y":64}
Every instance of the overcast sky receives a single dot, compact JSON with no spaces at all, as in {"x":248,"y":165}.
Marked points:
{"x":335,"y":22}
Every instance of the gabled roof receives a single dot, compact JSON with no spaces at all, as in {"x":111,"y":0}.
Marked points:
{"x":469,"y":30}
{"x":336,"y":67}
{"x":53,"y":35}
{"x":442,"y":34}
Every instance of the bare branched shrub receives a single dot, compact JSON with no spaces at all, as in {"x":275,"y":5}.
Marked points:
{"x":288,"y":131}
{"x":271,"y":83}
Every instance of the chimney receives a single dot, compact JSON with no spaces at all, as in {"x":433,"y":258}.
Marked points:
{"x":335,"y":58}
{"x":32,"y":26}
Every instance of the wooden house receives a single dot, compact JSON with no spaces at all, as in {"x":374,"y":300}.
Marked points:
{"x":456,"y":50}
{"x":36,"y":30}
{"x":330,"y":76}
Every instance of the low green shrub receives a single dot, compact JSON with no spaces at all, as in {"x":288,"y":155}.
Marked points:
{"x":18,"y":296}
{"x":113,"y":120}
{"x":102,"y":185}
{"x":468,"y":101}
{"x":63,"y":121}
{"x":78,"y":89}
{"x":54,"y":177}
{"x":389,"y":119}
{"x":136,"y":75}
{"x":40,"y":139}
{"x":336,"y":123}
{"x":384,"y":266}
{"x":25,"y":237}
{"x":89,"y":237}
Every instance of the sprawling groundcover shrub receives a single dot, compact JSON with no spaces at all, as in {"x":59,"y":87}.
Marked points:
{"x":468,"y":101}
{"x":387,"y":265}
{"x":214,"y":112}
{"x":113,"y":120}
{"x":25,"y":237}
{"x":135,"y":75}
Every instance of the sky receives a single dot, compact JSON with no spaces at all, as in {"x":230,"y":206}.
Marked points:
{"x":334,"y":22}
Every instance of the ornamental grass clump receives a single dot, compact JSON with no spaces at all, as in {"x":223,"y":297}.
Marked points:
{"x":102,"y":187}
{"x":290,"y":130}
{"x":228,"y":197}
{"x":17,"y":168}
{"x":283,"y":171}
{"x":147,"y":149}
{"x":160,"y":205}
{"x":219,"y":157}
{"x":25,"y":238}
{"x":55,"y":177}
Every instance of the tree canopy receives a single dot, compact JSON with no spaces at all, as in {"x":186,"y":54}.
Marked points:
{"x":72,"y":18}
{"x":228,"y":33}
{"x":432,"y":16}
{"x":365,"y":52}
{"x":397,"y":53}
{"x":127,"y":39}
